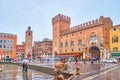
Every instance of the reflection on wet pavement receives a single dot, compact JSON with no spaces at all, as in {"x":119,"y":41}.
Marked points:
{"x":99,"y":72}
{"x":13,"y":72}
{"x":109,"y":75}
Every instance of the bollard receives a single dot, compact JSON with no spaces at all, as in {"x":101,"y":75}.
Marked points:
{"x":0,"y":70}
{"x":60,"y":77}
{"x":77,"y":71}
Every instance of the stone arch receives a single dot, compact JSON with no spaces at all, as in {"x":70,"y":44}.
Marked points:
{"x":94,"y":52}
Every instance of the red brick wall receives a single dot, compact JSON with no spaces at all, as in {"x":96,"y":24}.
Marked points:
{"x":100,"y":27}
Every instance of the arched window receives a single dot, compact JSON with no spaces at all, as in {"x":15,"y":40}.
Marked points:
{"x":29,"y":34}
{"x":115,"y":39}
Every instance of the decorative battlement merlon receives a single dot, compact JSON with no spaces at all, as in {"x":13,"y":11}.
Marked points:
{"x":61,"y":17}
{"x":85,"y":25}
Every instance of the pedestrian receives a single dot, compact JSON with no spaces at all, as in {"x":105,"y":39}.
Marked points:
{"x":84,"y":61}
{"x":69,"y":60}
{"x":47,"y":60}
{"x":26,"y":67}
{"x":76,"y":60}
{"x":23,"y":70}
{"x":92,"y":61}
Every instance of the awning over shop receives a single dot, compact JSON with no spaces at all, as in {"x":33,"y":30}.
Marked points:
{"x":115,"y":54}
{"x":69,"y":54}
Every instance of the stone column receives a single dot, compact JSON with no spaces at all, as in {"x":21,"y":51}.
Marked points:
{"x":108,"y":53}
{"x":84,"y":48}
{"x":105,"y":53}
{"x":101,"y":54}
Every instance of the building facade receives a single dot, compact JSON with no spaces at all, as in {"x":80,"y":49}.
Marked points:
{"x":88,"y":40}
{"x":115,"y":41}
{"x":28,"y":43}
{"x":8,"y":45}
{"x":43,"y":48}
{"x":20,"y":51}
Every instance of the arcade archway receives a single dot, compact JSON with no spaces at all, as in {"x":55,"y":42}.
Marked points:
{"x":94,"y":52}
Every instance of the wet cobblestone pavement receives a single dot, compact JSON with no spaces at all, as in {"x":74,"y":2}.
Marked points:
{"x":87,"y":68}
{"x":111,"y":74}
{"x":105,"y":72}
{"x":87,"y":72}
{"x":13,"y":72}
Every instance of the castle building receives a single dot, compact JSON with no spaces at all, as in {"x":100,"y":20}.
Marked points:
{"x":88,"y":40}
{"x":8,"y":46}
{"x":28,"y":43}
{"x":43,"y":48}
{"x":115,"y":41}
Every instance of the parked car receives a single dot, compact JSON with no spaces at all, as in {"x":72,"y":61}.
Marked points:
{"x":110,"y":60}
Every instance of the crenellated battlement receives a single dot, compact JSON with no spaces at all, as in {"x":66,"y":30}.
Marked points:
{"x":86,"y":25}
{"x":61,"y":17}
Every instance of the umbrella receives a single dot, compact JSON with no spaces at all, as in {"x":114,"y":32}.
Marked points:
{"x":26,"y":61}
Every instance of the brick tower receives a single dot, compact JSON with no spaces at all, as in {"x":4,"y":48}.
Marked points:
{"x":28,"y":41}
{"x":59,"y":23}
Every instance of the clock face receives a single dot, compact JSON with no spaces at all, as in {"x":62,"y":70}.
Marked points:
{"x":29,"y":40}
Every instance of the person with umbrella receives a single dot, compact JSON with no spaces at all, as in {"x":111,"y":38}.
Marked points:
{"x":25,"y":67}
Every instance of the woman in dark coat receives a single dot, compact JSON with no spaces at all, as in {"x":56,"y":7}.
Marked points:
{"x":23,"y":70}
{"x":25,"y":67}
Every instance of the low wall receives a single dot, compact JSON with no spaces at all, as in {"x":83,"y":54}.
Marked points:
{"x":46,"y":70}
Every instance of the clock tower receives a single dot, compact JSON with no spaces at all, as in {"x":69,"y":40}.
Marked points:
{"x":28,"y":41}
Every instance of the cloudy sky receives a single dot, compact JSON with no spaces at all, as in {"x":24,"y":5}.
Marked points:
{"x":17,"y":15}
